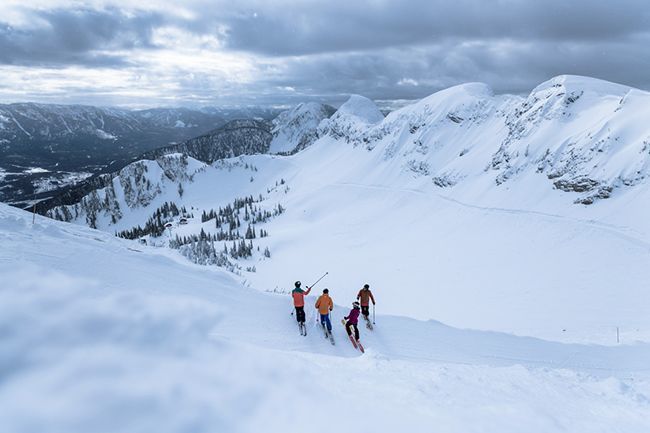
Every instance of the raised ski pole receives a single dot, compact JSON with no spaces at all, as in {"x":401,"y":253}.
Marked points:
{"x":312,"y":286}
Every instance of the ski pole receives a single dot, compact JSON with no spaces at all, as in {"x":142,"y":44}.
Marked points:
{"x":373,"y":314}
{"x":312,"y":286}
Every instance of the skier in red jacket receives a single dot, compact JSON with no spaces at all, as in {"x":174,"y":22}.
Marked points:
{"x":299,"y":301}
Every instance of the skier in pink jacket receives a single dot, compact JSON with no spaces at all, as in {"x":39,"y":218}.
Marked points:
{"x":353,"y":320}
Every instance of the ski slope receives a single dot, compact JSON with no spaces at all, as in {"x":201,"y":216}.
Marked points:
{"x":547,"y":269}
{"x":101,"y":334}
{"x":489,"y":212}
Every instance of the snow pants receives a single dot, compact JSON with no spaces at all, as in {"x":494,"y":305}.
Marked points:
{"x":365,"y":310}
{"x":349,"y":325}
{"x":325,"y":321}
{"x":300,"y":314}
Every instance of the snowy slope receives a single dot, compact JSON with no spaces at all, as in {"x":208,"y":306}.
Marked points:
{"x":352,"y":119}
{"x":459,"y":208}
{"x":577,"y":134}
{"x":101,"y":334}
{"x":297,"y":128}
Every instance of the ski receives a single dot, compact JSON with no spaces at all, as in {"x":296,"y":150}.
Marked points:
{"x":328,"y":334}
{"x":354,"y":343}
{"x":352,"y":340}
{"x":302,"y":328}
{"x":368,"y":324}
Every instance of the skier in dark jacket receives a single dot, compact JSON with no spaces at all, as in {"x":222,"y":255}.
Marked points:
{"x":365,"y":296}
{"x":353,"y":320}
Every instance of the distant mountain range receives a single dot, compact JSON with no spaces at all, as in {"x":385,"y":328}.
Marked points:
{"x":45,"y":147}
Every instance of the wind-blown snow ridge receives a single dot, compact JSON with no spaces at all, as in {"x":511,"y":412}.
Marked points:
{"x":579,"y":83}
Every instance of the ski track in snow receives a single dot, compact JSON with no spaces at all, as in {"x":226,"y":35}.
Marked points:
{"x":624,"y":233}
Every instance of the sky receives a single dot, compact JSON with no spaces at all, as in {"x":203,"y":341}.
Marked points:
{"x":279,"y":52}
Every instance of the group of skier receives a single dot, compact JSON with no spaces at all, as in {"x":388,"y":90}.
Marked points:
{"x":325,"y":305}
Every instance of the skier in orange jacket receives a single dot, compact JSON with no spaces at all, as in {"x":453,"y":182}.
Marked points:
{"x":365,"y":296}
{"x":325,"y":305}
{"x":299,"y":301}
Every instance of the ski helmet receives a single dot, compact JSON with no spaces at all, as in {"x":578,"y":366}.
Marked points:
{"x":366,"y":286}
{"x":326,"y":290}
{"x":355,"y":304}
{"x":297,"y":283}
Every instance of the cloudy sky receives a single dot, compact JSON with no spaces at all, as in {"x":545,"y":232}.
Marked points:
{"x":200,"y":52}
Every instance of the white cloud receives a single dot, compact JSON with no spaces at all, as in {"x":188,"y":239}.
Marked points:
{"x":407,"y":82}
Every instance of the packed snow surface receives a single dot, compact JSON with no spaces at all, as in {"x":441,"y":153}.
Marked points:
{"x":102,"y":334}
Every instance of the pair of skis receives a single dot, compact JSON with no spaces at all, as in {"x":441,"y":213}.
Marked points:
{"x":368,"y":323}
{"x":356,"y":343}
{"x":328,"y":334}
{"x":303,"y":331}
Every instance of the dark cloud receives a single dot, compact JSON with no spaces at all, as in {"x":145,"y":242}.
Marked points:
{"x":334,"y":26}
{"x":80,"y":36}
{"x":314,"y":50}
{"x":507,"y":66}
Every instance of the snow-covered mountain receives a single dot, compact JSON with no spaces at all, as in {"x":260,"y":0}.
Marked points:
{"x":294,"y":129}
{"x":50,"y":121}
{"x":584,"y":135}
{"x":44,"y":147}
{"x":238,"y":137}
{"x":468,"y":195}
{"x":506,"y":241}
{"x":297,"y":128}
{"x":134,"y":338}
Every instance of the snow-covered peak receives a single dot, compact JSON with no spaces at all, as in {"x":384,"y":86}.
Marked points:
{"x":452,"y":103}
{"x":578,"y":83}
{"x":296,"y":128}
{"x":352,"y":120}
{"x":474,"y":90}
{"x":361,"y":108}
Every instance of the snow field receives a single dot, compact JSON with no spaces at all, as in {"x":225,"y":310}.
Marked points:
{"x":101,"y":334}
